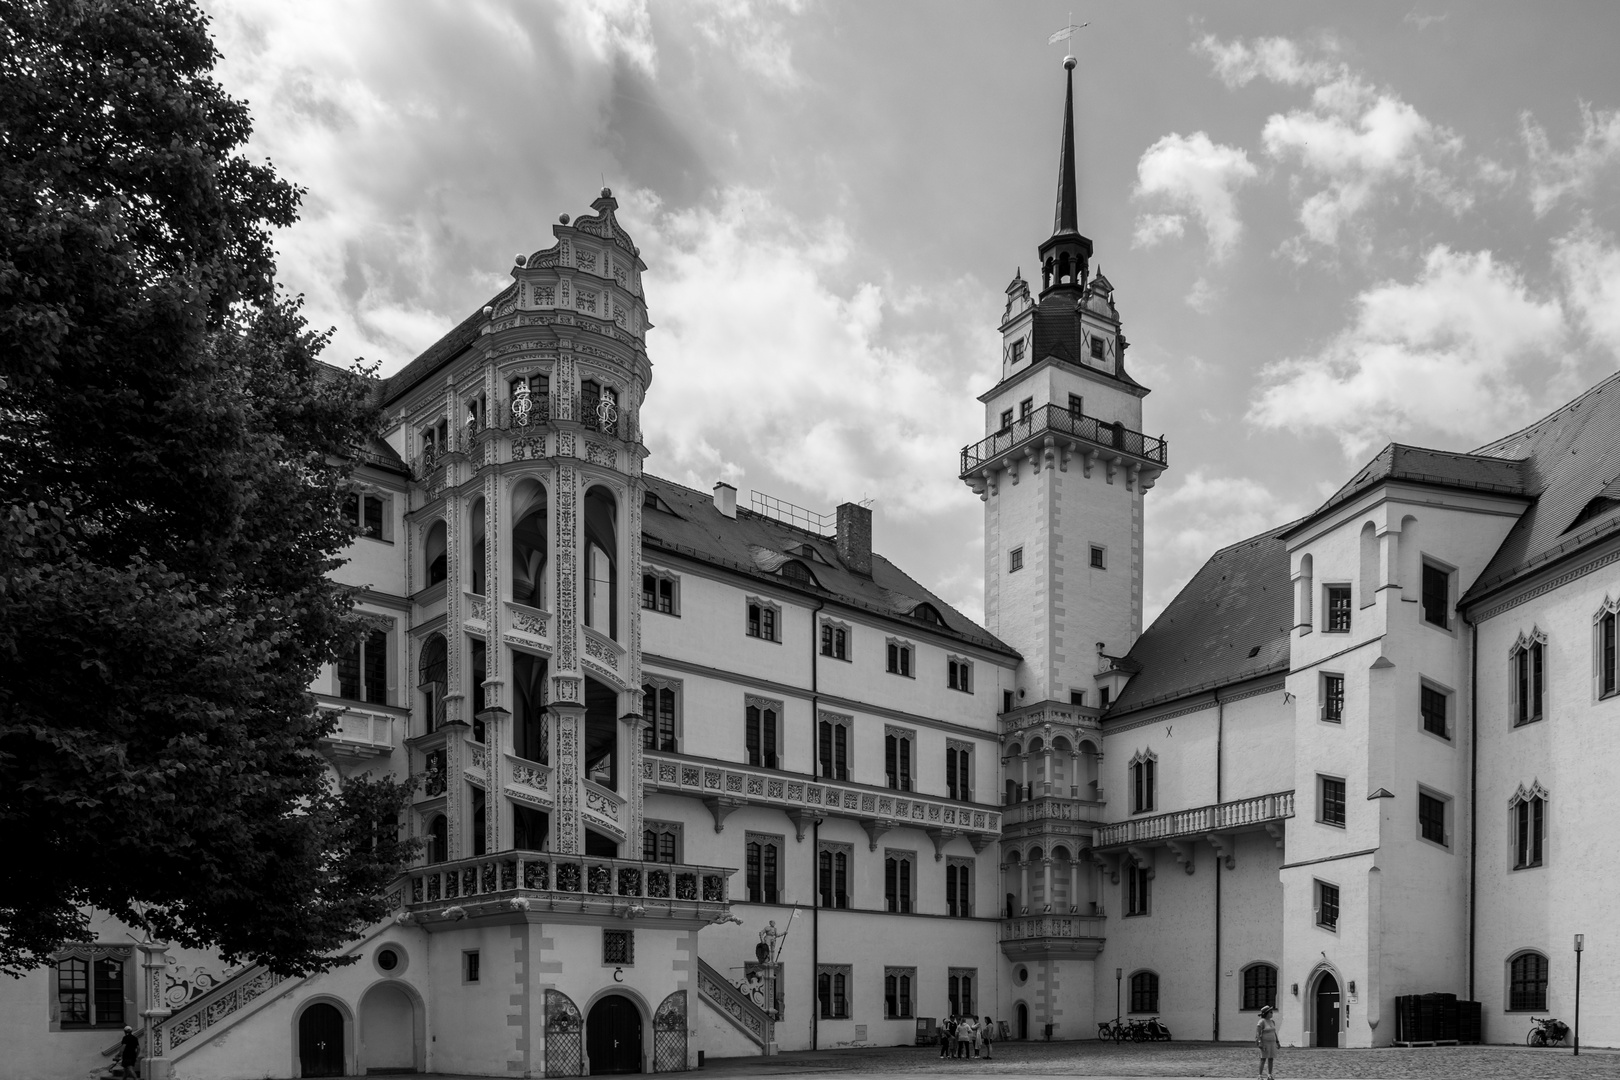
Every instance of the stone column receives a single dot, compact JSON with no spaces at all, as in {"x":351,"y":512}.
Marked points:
{"x":1046,"y":884}
{"x":1046,"y":771}
{"x":153,"y":955}
{"x":1023,"y":765}
{"x":567,"y":684}
{"x":1074,"y":885}
{"x":1023,"y":888}
{"x":568,"y":774}
{"x":632,"y":738}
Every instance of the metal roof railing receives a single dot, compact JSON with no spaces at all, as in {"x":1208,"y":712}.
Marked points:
{"x":1061,"y":421}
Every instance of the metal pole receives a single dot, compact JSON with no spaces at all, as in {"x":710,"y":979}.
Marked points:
{"x":1119,"y":974}
{"x":1580,"y":947}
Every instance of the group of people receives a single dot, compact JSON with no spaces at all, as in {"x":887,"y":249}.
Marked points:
{"x":965,"y":1036}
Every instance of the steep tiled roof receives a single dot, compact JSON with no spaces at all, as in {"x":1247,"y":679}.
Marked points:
{"x":1442,"y":468}
{"x":1570,"y":458}
{"x":756,"y":545}
{"x":1057,"y":333}
{"x":1231,"y":622}
{"x":437,"y":354}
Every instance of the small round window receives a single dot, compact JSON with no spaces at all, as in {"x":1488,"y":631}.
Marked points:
{"x":391,"y":960}
{"x":1023,"y":975}
{"x":388,"y":959}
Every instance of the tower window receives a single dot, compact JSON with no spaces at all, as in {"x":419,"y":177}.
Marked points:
{"x":1331,"y":810}
{"x":1026,"y":407}
{"x":1015,"y":560}
{"x":1006,"y":419}
{"x":1077,"y":405}
{"x":1018,"y":351}
{"x":1333,"y":699}
{"x":1338,"y":609}
{"x":1432,"y":812}
{"x":1527,"y":663}
{"x":1098,"y":349}
{"x":1529,"y":829}
{"x":1436,"y":588}
{"x":1099,"y":557}
{"x":1432,"y":704}
{"x":1527,"y":983}
{"x":1327,"y":906}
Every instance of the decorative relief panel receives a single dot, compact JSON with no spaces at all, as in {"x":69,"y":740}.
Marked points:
{"x":527,"y":620}
{"x":602,"y":651}
{"x":568,"y":838}
{"x":597,"y":454}
{"x":567,"y":569}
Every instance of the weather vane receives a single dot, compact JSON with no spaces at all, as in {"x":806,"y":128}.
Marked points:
{"x":1066,"y":33}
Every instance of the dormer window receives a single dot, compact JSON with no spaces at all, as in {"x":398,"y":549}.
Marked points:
{"x":1017,"y":352}
{"x":928,"y":613}
{"x":1098,"y":349}
{"x":794,"y":570}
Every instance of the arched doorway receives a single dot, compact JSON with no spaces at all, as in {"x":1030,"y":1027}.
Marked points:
{"x":613,"y":1036}
{"x":1023,"y":1020}
{"x":387,"y":1030}
{"x":320,"y":1041}
{"x":1327,"y":1010}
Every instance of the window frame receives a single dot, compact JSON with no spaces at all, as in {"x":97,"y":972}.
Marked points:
{"x":899,"y":990}
{"x":1324,"y":713}
{"x":835,"y":640}
{"x":661,"y":830}
{"x":834,"y":876}
{"x":1015,"y":559}
{"x":899,"y":758}
{"x":1026,"y":409}
{"x":1425,"y":567}
{"x":836,"y":758}
{"x":1098,"y":559}
{"x":1326,"y":804}
{"x":768,"y":752}
{"x":1143,"y":996}
{"x":958,"y":673}
{"x":1255,"y":997}
{"x":1527,"y":678}
{"x":959,"y":778}
{"x":1514,"y":1004}
{"x":1330,"y":611}
{"x":837,"y":1003}
{"x":1428,"y":689}
{"x":1527,"y":829}
{"x":900,"y":871}
{"x":652,"y":713}
{"x":471,"y":967}
{"x":762,"y":620}
{"x":1006,"y":420}
{"x":1136,"y":899}
{"x":770,"y":891}
{"x":363,"y":498}
{"x":1320,"y":896}
{"x":959,"y":874}
{"x":1605,"y":647}
{"x":365,"y":648}
{"x":900,"y":658}
{"x":92,"y":954}
{"x":661,"y":578}
{"x":1431,"y":795}
{"x":961,"y":984}
{"x":626,"y":938}
{"x":1144,"y":768}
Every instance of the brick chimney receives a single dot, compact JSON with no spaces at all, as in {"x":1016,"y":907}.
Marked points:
{"x":855,"y":537}
{"x":725,"y":499}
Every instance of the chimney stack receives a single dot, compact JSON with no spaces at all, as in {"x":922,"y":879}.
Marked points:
{"x":855,"y":537}
{"x":725,"y":499}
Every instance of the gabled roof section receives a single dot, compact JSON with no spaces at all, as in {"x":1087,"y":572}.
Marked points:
{"x":376,"y":452}
{"x":1440,"y":468}
{"x":1570,"y":457}
{"x":439,"y":353}
{"x":1230,"y":623}
{"x":757,"y":546}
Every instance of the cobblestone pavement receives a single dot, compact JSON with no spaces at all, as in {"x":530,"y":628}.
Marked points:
{"x":1092,"y":1059}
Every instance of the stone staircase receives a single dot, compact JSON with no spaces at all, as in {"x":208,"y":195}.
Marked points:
{"x":736,"y":1007}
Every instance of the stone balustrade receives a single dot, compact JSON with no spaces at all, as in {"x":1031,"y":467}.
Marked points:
{"x":359,"y":731}
{"x":1239,"y":815}
{"x":516,"y":880}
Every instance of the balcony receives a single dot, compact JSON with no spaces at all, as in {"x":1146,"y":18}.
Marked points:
{"x":517,"y":881}
{"x":358,"y":732}
{"x":1179,"y":828}
{"x":1074,"y":936}
{"x":1044,"y":808}
{"x":723,"y":787}
{"x":1052,"y":430}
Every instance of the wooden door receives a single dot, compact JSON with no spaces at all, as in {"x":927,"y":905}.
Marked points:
{"x":320,"y":1041}
{"x":1327,"y":1011}
{"x":613,"y":1036}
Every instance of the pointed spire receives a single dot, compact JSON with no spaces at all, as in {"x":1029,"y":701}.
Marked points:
{"x":1066,"y":219}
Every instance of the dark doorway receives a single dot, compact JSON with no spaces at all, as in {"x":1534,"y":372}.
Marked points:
{"x":613,"y":1036}
{"x":1023,"y":1020}
{"x":1327,"y":1010}
{"x":320,"y":1041}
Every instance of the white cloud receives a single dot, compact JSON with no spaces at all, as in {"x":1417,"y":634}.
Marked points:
{"x":1276,"y":59}
{"x":1589,"y":263}
{"x":614,"y":28}
{"x":1196,"y":517}
{"x":1196,"y":176}
{"x":747,"y":30}
{"x":1572,"y":173}
{"x":1462,"y":351}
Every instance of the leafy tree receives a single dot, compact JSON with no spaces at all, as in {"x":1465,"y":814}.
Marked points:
{"x":171,"y":458}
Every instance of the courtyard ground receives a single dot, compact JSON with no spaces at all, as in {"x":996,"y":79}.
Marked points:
{"x":1015,"y":1060}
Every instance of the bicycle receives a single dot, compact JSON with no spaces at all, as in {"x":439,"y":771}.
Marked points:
{"x":1153,"y":1031}
{"x":1111,"y":1029}
{"x":1546,"y":1031}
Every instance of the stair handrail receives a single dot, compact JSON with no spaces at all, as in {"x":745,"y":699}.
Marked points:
{"x":737,"y":1006}
{"x":205,"y":1010}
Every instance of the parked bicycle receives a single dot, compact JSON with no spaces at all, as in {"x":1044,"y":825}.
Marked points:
{"x":1149,"y":1030}
{"x":1546,"y":1031}
{"x":1114,"y":1029}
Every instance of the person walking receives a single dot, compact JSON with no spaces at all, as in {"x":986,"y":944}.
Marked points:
{"x":986,"y":1035}
{"x":945,"y":1037}
{"x":129,"y":1052}
{"x":1265,"y":1036}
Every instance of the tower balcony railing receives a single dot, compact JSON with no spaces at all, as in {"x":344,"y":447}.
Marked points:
{"x":1261,"y":811}
{"x":1052,"y":808}
{"x":1036,"y":927}
{"x":1058,"y":421}
{"x":515,"y":880}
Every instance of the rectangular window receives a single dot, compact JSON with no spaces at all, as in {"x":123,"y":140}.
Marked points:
{"x":763,"y":871}
{"x":833,"y":875}
{"x":658,"y":842}
{"x":1142,"y":784}
{"x":658,"y":705}
{"x":760,"y":718}
{"x":762,"y":621}
{"x":961,"y":991}
{"x":1327,"y":905}
{"x":1259,"y":987}
{"x":897,"y":880}
{"x":619,"y":947}
{"x":1529,"y":819}
{"x":1138,"y":889}
{"x":959,"y":675}
{"x":1104,"y":693}
{"x":897,"y":760}
{"x":834,"y":641}
{"x":1026,"y":407}
{"x":1432,"y":703}
{"x":1436,"y":587}
{"x":1077,"y":697}
{"x":832,"y":748}
{"x":1006,"y":701}
{"x":1331,"y":811}
{"x":1099,"y":557}
{"x":1333,"y":698}
{"x":1432,"y":819}
{"x":899,"y":659}
{"x":833,"y":985}
{"x":1528,"y":672}
{"x":1097,"y":348}
{"x":1077,"y":405}
{"x":959,"y":772}
{"x":897,"y":984}
{"x":1527,"y":983}
{"x":362,"y":669}
{"x":1006,"y":419}
{"x":1015,"y":561}
{"x":90,"y":992}
{"x":1018,"y":351}
{"x":658,"y":594}
{"x":469,"y":966}
{"x":1606,"y":655}
{"x":365,"y":512}
{"x":959,"y":889}
{"x":1338,"y":609}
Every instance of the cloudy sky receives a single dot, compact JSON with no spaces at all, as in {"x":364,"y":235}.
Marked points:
{"x":1330,"y":226}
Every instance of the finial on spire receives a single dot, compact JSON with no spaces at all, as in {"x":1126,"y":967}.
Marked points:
{"x":1066,"y":218}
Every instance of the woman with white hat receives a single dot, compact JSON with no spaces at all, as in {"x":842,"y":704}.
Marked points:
{"x":1265,"y":1036}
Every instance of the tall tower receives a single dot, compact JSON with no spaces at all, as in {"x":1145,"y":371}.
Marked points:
{"x":1062,"y":470}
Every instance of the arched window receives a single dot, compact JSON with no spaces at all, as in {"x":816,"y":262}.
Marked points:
{"x":794,"y":570}
{"x":475,"y":532}
{"x":431,"y":674}
{"x":433,"y":553}
{"x":529,"y":544}
{"x":1367,"y":585}
{"x":438,"y":839}
{"x":1527,"y":982}
{"x":601,"y":567}
{"x":928,"y":613}
{"x":1528,"y":825}
{"x":1527,"y":669}
{"x":1259,"y":987}
{"x":1144,"y":992}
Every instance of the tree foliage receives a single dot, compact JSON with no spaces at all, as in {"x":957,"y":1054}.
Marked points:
{"x":171,"y":459}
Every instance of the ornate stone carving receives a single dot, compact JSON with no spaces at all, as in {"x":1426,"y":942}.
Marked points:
{"x":597,"y":454}
{"x":567,"y":568}
{"x":602,"y":651}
